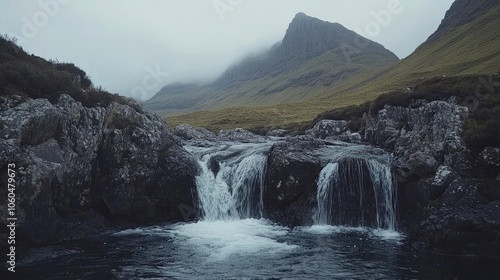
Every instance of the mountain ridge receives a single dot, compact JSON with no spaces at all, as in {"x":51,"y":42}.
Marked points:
{"x":461,"y":13}
{"x":311,"y":57}
{"x":462,"y":52}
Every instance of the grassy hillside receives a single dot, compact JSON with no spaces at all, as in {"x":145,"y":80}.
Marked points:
{"x":468,"y":50}
{"x":313,"y":56}
{"x":311,"y":77}
{"x":26,"y":75}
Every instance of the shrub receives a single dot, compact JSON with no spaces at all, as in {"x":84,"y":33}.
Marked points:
{"x":34,"y":77}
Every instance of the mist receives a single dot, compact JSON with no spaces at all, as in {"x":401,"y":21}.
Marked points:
{"x":134,"y":48}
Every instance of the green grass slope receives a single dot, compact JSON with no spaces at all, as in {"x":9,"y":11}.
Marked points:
{"x":473,"y":48}
{"x":468,"y":50}
{"x":313,"y":56}
{"x":29,"y":76}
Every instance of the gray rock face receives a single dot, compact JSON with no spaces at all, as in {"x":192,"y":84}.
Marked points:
{"x":491,"y":156}
{"x":466,"y":218}
{"x":430,"y":156}
{"x":329,"y":128}
{"x":416,"y":134}
{"x":75,"y":163}
{"x":334,"y":130}
{"x":443,"y":178}
{"x":292,"y":171}
{"x":241,"y":135}
{"x":278,"y":133}
{"x":187,"y":132}
{"x":422,"y":164}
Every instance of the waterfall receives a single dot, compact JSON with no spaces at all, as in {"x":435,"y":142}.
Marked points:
{"x":383,"y":187}
{"x":233,"y":189}
{"x":326,"y":182}
{"x":356,"y":192}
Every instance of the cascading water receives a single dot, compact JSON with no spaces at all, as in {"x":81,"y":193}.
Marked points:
{"x":230,"y":188}
{"x":233,"y":188}
{"x":356,"y":191}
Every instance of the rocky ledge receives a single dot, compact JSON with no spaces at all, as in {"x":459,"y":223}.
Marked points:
{"x":79,"y":170}
{"x":447,"y":197}
{"x":445,"y":202}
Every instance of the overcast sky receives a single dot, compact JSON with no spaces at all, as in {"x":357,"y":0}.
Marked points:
{"x":134,"y":47}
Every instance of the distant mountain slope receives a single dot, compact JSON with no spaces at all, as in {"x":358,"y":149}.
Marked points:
{"x":466,"y":43}
{"x":461,"y":13}
{"x":312,"y":56}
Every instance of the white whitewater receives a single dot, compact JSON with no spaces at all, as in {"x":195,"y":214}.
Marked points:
{"x":235,"y":191}
{"x":356,"y":192}
{"x":230,"y":189}
{"x":383,"y":187}
{"x":355,"y":197}
{"x":327,"y":181}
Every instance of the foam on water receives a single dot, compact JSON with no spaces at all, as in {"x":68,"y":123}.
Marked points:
{"x":389,"y":235}
{"x":384,"y":234}
{"x":328,"y":229}
{"x":220,"y":240}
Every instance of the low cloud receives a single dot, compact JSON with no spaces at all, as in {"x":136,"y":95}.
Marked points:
{"x":118,"y":42}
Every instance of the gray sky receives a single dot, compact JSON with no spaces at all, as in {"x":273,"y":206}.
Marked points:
{"x":134,"y":47}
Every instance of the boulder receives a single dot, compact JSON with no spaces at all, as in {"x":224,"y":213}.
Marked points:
{"x":422,"y":164}
{"x":442,"y":179}
{"x":329,"y":129}
{"x":292,"y":171}
{"x":491,"y":156}
{"x":466,"y":220}
{"x":278,"y":133}
{"x":241,"y":135}
{"x":196,"y":134}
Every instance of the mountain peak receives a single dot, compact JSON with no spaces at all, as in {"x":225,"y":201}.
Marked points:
{"x":300,"y":14}
{"x":309,"y":35}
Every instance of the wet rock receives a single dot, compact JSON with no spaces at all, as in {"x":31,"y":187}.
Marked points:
{"x":187,"y":132}
{"x":278,"y":133}
{"x":443,"y":178}
{"x":466,"y":219}
{"x":433,"y":128}
{"x":385,"y":129}
{"x":422,"y":164}
{"x":81,"y":168}
{"x":491,"y":156}
{"x":326,"y":128}
{"x":241,"y":135}
{"x":330,"y":129}
{"x":292,"y":171}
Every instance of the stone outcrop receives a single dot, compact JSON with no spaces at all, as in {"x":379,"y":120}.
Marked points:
{"x":79,"y":169}
{"x":241,"y":135}
{"x":437,"y":207}
{"x":292,"y":172}
{"x":422,"y":131}
{"x":329,"y":128}
{"x":466,"y":219}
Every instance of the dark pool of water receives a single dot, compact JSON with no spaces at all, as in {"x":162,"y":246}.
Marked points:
{"x":248,"y":249}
